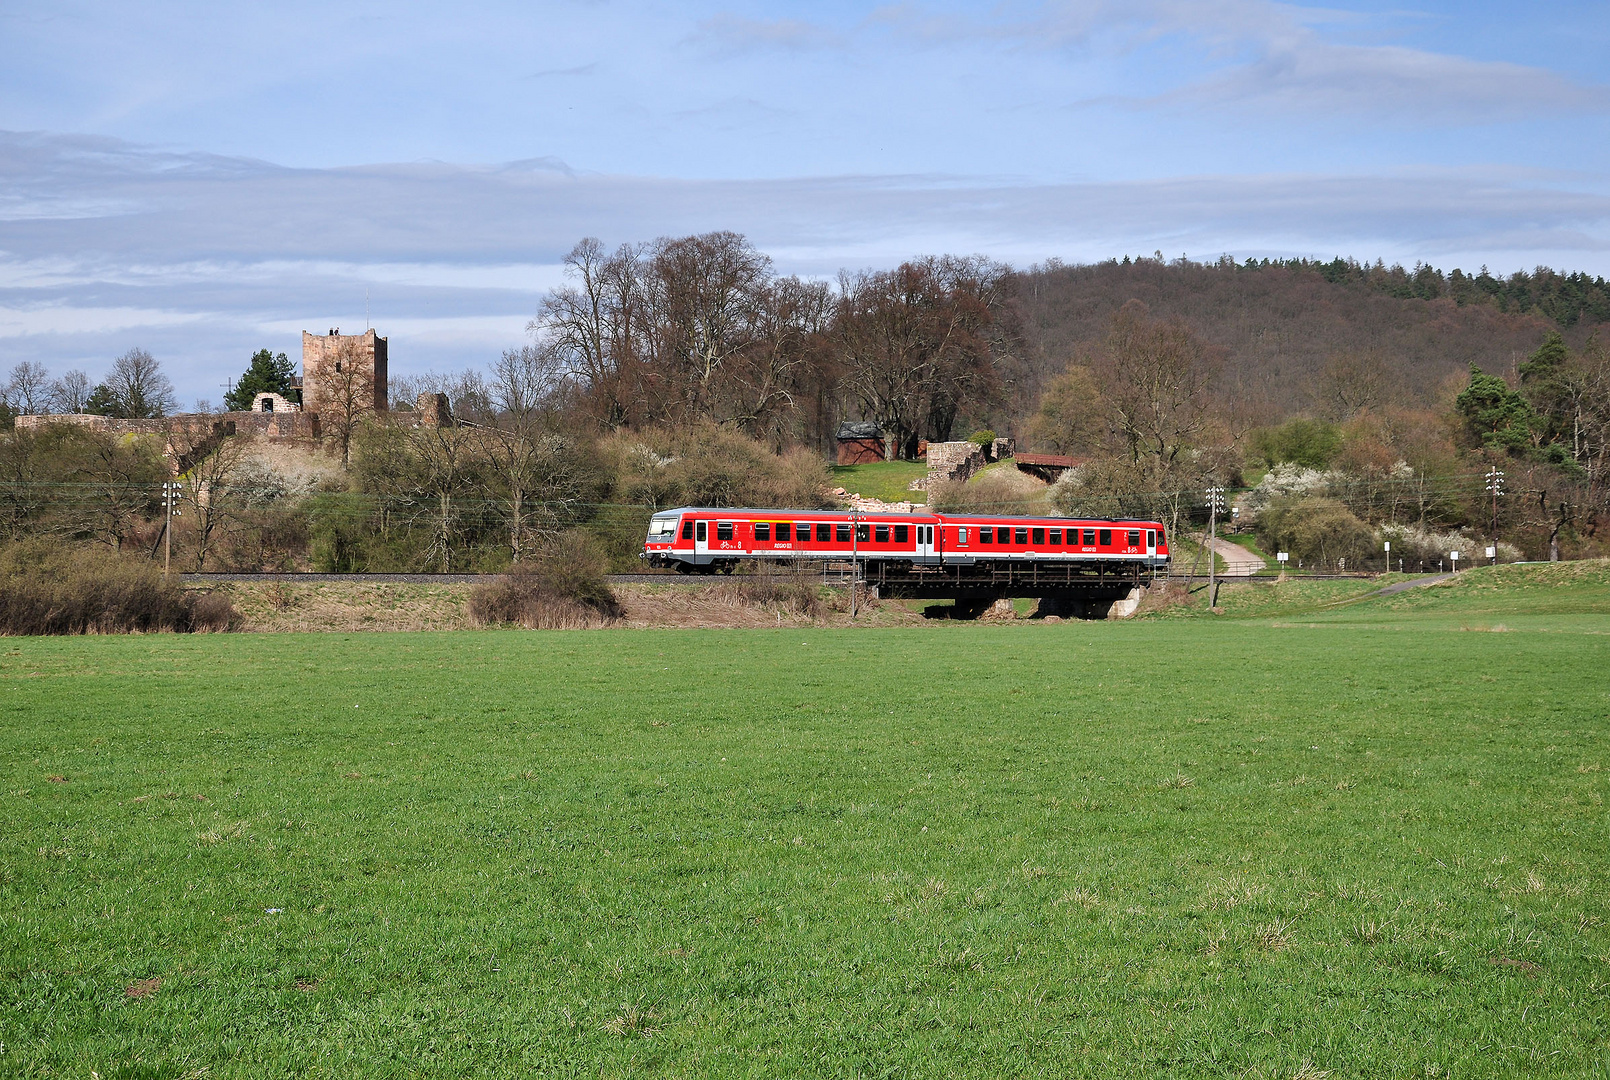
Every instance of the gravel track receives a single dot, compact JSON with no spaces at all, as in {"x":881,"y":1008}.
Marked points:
{"x":420,"y":579}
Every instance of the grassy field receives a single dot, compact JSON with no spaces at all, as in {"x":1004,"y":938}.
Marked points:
{"x":1271,"y":846}
{"x":886,"y":480}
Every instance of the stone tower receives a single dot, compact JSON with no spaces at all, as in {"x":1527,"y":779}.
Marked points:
{"x":324,"y":362}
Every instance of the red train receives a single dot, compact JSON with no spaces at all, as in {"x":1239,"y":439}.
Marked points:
{"x":697,"y":539}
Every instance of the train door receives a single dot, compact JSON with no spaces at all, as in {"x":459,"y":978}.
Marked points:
{"x":701,"y":538}
{"x":1151,"y":543}
{"x":927,"y":548}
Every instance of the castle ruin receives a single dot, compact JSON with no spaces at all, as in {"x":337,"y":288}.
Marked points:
{"x":337,"y":363}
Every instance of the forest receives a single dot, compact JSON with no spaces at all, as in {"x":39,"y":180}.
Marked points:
{"x":1351,"y":404}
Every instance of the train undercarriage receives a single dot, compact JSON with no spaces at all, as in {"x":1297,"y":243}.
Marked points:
{"x":1070,"y":589}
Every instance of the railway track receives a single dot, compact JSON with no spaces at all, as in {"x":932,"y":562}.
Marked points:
{"x":629,"y":579}
{"x":420,"y":579}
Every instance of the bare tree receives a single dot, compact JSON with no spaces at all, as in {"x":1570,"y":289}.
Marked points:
{"x":789,"y":337}
{"x":209,"y":462}
{"x":445,"y":468}
{"x":1155,"y":376}
{"x":593,"y":327}
{"x":524,"y":381}
{"x":28,"y":389}
{"x":1353,"y":382}
{"x":138,"y":387}
{"x":709,"y":291}
{"x":346,"y":393}
{"x":917,"y":347}
{"x":70,"y":393}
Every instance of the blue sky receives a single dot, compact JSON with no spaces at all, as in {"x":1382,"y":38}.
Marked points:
{"x":206,"y":179}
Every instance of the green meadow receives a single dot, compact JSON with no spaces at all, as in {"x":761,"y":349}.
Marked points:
{"x":1356,"y":839}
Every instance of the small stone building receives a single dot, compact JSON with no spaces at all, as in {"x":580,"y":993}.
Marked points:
{"x":274,"y":403}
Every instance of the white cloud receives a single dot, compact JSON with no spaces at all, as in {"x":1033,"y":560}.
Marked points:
{"x":1275,"y":57}
{"x":21,"y":321}
{"x":210,"y":259}
{"x":728,"y":33}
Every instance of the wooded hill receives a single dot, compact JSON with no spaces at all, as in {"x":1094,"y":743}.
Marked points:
{"x":1281,"y":323}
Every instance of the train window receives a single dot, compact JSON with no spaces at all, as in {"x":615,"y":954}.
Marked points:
{"x":961,"y":536}
{"x":687,"y":530}
{"x":902,"y":533}
{"x":1022,"y":536}
{"x":1134,"y":538}
{"x":1039,"y":536}
{"x":1090,"y":536}
{"x":762,"y":530}
{"x":984,"y":533}
{"x":824,"y":533}
{"x":784,"y":532}
{"x":883,"y":534}
{"x":863,"y":533}
{"x":802,"y":532}
{"x":841,"y":534}
{"x":723,"y":530}
{"x":1106,"y":537}
{"x":701,"y":530}
{"x":1056,"y":537}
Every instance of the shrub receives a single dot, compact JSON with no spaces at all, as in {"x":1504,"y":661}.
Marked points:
{"x":1317,"y":531}
{"x":212,"y":612}
{"x":997,"y":491}
{"x":706,"y":465}
{"x":1311,"y":444}
{"x":50,"y":589}
{"x":788,"y":589}
{"x":563,"y":589}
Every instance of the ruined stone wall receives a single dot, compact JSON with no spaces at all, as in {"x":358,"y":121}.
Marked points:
{"x":953,"y":461}
{"x":97,"y":423}
{"x":434,"y":410}
{"x":279,"y":425}
{"x":322,"y":353}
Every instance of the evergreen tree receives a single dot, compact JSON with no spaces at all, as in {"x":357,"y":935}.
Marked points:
{"x":269,"y":373}
{"x":1545,"y":380}
{"x":1500,"y":417}
{"x":102,"y":402}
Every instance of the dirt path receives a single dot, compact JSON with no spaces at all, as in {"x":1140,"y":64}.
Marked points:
{"x":1238,"y":561}
{"x":1400,"y":586}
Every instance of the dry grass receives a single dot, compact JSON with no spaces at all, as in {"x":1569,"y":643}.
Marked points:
{"x":633,"y":1020}
{"x":143,"y":988}
{"x":50,"y":588}
{"x":736,"y":603}
{"x":346,"y":606}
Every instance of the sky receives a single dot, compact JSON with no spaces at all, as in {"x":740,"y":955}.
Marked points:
{"x":206,"y":179}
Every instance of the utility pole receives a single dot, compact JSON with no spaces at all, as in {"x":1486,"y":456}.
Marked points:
{"x":1215,"y":504}
{"x":1495,"y":488}
{"x":170,"y":496}
{"x":855,"y":559}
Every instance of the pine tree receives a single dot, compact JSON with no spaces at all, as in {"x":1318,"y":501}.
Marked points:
{"x":269,"y":373}
{"x":1500,"y":417}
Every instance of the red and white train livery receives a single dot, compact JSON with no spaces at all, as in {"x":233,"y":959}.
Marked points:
{"x":698,"y":539}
